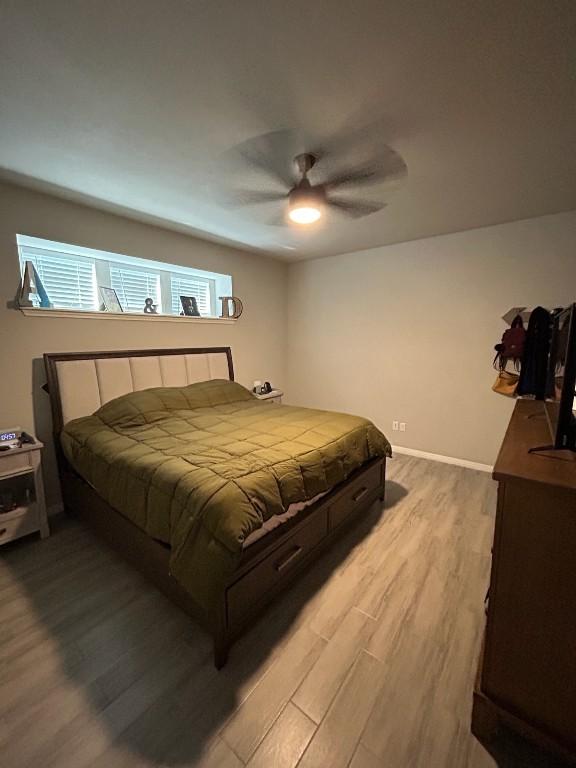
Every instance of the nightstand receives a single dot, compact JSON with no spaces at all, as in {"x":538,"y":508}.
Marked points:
{"x":271,"y":397}
{"x":22,"y":502}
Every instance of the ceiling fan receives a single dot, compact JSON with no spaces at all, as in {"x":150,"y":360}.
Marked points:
{"x":306,"y":201}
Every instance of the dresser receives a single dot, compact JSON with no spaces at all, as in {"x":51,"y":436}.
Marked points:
{"x":527,"y":673}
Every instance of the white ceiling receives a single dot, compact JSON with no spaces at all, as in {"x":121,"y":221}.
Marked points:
{"x":139,"y":106}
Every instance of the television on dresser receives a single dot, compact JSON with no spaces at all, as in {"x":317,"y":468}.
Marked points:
{"x":562,"y":379}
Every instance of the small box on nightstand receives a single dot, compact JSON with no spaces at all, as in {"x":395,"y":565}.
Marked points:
{"x":22,"y":503}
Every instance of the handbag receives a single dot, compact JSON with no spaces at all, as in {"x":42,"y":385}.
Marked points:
{"x":512,"y":345}
{"x":506,"y":383}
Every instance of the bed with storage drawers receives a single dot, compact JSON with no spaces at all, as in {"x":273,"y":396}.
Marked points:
{"x":219,"y":498}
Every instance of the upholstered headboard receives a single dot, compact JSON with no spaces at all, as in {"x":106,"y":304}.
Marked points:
{"x":80,"y":382}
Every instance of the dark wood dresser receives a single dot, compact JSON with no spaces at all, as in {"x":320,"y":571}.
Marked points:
{"x":527,"y":674}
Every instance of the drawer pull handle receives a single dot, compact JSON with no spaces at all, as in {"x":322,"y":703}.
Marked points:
{"x":362,"y":492}
{"x":3,"y":531}
{"x":285,"y":561}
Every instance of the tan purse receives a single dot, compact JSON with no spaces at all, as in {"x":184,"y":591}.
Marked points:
{"x":506,"y":384}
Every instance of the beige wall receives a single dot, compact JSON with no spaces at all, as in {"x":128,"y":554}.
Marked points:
{"x":401,"y":332}
{"x":257,"y":338}
{"x":407,"y":331}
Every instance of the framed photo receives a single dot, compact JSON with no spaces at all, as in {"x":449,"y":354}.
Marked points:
{"x":110,"y":299}
{"x":190,"y":306}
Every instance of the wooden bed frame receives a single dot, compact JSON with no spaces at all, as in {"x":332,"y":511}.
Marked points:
{"x":266,"y":567}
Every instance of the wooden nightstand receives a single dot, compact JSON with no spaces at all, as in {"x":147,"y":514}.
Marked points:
{"x":272,"y":397}
{"x":22,"y":493}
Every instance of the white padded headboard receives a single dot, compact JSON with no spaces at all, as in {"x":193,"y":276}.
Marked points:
{"x":80,"y":383}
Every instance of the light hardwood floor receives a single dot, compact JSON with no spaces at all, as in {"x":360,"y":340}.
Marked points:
{"x":368,"y":661}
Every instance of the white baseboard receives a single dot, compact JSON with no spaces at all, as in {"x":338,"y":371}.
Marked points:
{"x":443,"y":459}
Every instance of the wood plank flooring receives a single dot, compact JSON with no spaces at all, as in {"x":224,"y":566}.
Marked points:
{"x":368,"y":661}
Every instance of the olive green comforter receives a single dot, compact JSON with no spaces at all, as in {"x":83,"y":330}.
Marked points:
{"x":201,"y":467}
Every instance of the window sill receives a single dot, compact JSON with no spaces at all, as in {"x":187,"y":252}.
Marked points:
{"x":79,"y":315}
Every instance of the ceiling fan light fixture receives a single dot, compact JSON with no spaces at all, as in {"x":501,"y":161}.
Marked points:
{"x":305,"y":202}
{"x":305,"y":205}
{"x":303,"y":214}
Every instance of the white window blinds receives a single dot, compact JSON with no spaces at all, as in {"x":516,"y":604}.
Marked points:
{"x":69,"y":281}
{"x":134,"y":286}
{"x":180,"y":285}
{"x":73,"y":275}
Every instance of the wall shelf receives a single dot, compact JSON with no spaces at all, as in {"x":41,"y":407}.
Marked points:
{"x":79,"y":315}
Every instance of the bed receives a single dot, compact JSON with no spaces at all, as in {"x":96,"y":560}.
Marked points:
{"x":220,"y":498}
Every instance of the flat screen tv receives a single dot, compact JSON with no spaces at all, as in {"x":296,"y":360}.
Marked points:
{"x":562,"y":380}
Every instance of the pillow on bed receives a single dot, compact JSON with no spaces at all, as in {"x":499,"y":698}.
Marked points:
{"x":150,"y":405}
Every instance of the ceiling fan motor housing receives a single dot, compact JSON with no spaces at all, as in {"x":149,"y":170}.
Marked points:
{"x":305,"y":195}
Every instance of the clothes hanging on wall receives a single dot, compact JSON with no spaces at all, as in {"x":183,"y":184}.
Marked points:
{"x":534,"y":369}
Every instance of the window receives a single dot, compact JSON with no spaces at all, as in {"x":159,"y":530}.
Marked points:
{"x":69,"y":282}
{"x":189,"y":286}
{"x":134,"y":286}
{"x":72,"y":276}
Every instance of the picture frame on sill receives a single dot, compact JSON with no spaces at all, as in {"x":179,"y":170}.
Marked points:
{"x":110,"y":299}
{"x":189,"y":306}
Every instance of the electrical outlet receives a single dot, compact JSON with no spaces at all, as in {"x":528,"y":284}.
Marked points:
{"x":395,"y":426}
{"x":402,"y":426}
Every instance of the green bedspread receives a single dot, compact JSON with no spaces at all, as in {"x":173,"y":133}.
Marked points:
{"x":201,"y":467}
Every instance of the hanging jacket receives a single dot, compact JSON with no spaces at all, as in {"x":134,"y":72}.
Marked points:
{"x":534,"y":368}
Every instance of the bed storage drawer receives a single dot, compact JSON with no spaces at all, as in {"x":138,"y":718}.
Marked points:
{"x":367,"y":486}
{"x":243,"y":595}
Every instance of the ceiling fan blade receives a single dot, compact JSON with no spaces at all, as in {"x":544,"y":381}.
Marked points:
{"x":356,"y":209}
{"x":270,"y":153}
{"x":262,"y":163}
{"x":387,"y":167}
{"x":254,"y":197}
{"x":359,"y":176}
